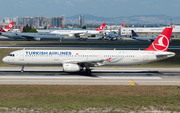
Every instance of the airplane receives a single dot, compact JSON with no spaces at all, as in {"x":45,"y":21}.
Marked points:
{"x":18,"y":30}
{"x":110,"y":35}
{"x":30,"y":36}
{"x":79,"y":32}
{"x":9,"y":27}
{"x":80,"y":60}
{"x":135,"y":36}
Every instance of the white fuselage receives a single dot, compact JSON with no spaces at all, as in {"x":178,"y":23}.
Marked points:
{"x":98,"y":57}
{"x":36,"y":36}
{"x":75,"y":32}
{"x":145,"y":38}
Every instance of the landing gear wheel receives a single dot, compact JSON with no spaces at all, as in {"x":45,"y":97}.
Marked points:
{"x":88,"y":71}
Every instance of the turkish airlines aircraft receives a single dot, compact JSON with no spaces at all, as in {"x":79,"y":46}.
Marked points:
{"x":78,"y":32}
{"x":77,"y":60}
{"x":30,"y":36}
{"x":9,"y":27}
{"x":135,"y":36}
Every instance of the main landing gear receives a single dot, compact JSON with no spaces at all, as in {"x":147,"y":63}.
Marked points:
{"x":22,"y":69}
{"x":88,"y":71}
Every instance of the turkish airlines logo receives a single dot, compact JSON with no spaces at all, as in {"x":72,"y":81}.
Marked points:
{"x":161,"y":44}
{"x":109,"y":59}
{"x":10,"y":25}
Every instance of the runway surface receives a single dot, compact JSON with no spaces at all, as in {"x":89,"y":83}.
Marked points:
{"x":100,"y":76}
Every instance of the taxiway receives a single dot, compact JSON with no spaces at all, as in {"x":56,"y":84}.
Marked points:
{"x":100,"y":76}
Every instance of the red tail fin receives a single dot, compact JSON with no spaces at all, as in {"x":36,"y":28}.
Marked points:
{"x":122,"y":26}
{"x":10,"y":26}
{"x":162,"y":41}
{"x":60,"y":27}
{"x":49,"y":27}
{"x":22,"y":28}
{"x":1,"y":29}
{"x":173,"y":25}
{"x":101,"y":27}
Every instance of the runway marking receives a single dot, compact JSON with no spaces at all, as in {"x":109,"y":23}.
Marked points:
{"x":77,"y":77}
{"x":132,"y":83}
{"x":114,"y":67}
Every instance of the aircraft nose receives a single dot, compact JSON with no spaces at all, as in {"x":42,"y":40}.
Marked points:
{"x":4,"y":59}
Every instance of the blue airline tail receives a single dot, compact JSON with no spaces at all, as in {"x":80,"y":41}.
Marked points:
{"x":134,"y":34}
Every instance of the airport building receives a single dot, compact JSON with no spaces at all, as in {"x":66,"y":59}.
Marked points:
{"x":148,"y":31}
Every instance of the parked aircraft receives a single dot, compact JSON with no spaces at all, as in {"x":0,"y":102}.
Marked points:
{"x":77,"y":60}
{"x":30,"y":36}
{"x":78,"y":32}
{"x":135,"y":36}
{"x":109,"y":35}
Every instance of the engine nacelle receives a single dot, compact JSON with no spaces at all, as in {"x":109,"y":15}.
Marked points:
{"x":68,"y":67}
{"x":37,"y":39}
{"x":71,"y":34}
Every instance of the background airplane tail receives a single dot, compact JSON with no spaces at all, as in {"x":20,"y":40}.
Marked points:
{"x":101,"y":27}
{"x":162,"y":41}
{"x":122,"y":26}
{"x":22,"y":28}
{"x":10,"y":26}
{"x":1,"y":29}
{"x":134,"y":34}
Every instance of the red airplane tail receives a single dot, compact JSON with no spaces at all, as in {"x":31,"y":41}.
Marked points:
{"x":1,"y":29}
{"x":101,"y":27}
{"x":122,"y":26}
{"x":173,"y":25}
{"x":162,"y":41}
{"x":10,"y":26}
{"x":60,"y":27}
{"x":22,"y":28}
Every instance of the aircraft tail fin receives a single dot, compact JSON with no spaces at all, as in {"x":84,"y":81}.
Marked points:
{"x":22,"y":28}
{"x":101,"y":27}
{"x":122,"y":26}
{"x":162,"y":41}
{"x":1,"y":29}
{"x":10,"y":26}
{"x":173,"y":25}
{"x":60,"y":27}
{"x":134,"y":34}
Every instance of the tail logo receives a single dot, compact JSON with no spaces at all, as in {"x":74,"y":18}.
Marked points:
{"x":161,"y":44}
{"x":10,"y":25}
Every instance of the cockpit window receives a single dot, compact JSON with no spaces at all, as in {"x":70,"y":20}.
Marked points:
{"x":12,"y":55}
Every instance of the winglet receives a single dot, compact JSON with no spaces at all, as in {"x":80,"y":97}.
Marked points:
{"x":101,"y":27}
{"x":162,"y":41}
{"x":1,"y":29}
{"x":10,"y":26}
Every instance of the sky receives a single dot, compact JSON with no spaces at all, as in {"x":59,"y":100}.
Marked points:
{"x":102,"y":8}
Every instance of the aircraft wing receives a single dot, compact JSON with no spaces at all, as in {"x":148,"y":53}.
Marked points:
{"x":30,"y":37}
{"x":91,"y":63}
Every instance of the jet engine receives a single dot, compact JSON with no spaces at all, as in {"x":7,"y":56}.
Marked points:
{"x":37,"y":39}
{"x":68,"y":67}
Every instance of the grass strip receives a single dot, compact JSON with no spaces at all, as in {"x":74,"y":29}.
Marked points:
{"x":75,"y":97}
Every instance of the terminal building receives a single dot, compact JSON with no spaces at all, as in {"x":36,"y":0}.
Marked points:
{"x":148,"y":31}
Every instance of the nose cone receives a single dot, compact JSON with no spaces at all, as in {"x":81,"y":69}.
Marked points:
{"x":4,"y":59}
